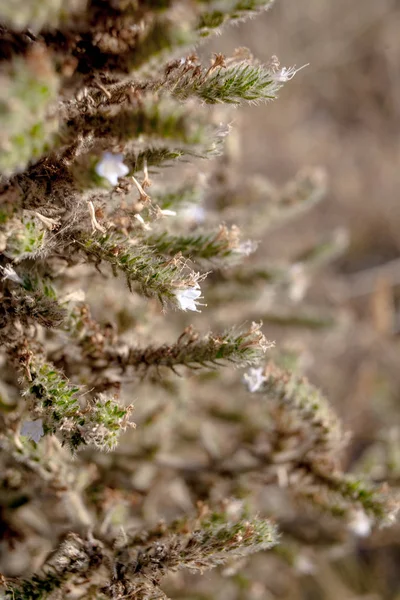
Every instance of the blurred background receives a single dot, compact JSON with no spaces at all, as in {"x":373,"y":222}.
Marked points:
{"x":341,"y":113}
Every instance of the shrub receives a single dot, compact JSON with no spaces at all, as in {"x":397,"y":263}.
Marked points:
{"x":96,"y":259}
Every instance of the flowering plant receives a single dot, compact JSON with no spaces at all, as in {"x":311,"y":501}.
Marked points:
{"x":101,"y":264}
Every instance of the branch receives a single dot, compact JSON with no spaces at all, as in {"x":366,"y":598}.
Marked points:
{"x":155,"y":275}
{"x":58,"y":404}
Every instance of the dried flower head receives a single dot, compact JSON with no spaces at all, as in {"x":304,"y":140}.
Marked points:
{"x":287,"y":73}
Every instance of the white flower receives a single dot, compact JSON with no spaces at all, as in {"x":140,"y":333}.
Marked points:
{"x":187,"y":298}
{"x":299,"y":282}
{"x":194,"y":212}
{"x":167,"y":213}
{"x":304,"y":564}
{"x":33,"y":430}
{"x":234,"y":509}
{"x":246,"y":248}
{"x":112,"y":167}
{"x":223,"y":130}
{"x":9,"y":273}
{"x":254,"y":379}
{"x":286,"y":74}
{"x":360,"y":524}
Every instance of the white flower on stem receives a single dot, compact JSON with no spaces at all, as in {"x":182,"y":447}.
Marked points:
{"x":9,"y":273}
{"x":188,"y":298}
{"x":360,"y":524}
{"x":111,"y":167}
{"x":254,"y":379}
{"x":33,"y":430}
{"x":286,"y":74}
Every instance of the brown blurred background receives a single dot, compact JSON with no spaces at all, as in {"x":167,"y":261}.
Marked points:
{"x":342,"y":113}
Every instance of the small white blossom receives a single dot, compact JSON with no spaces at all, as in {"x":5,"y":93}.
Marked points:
{"x":360,"y":524}
{"x":167,"y":213}
{"x":283,"y":476}
{"x":246,"y":248}
{"x":299,"y":282}
{"x":304,"y":564}
{"x":111,"y":166}
{"x":286,"y":74}
{"x":234,"y":509}
{"x":194,"y":212}
{"x":188,"y":298}
{"x":254,"y":379}
{"x":33,"y":430}
{"x":9,"y":273}
{"x":223,"y":130}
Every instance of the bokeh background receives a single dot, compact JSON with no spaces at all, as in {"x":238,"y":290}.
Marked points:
{"x":341,"y":113}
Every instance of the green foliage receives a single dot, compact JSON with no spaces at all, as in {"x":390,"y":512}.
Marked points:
{"x":26,"y":239}
{"x":306,"y":413}
{"x":225,"y":83}
{"x":299,"y":396}
{"x":28,"y":86}
{"x":59,"y":405}
{"x":35,"y":13}
{"x":195,"y":544}
{"x":74,"y":557}
{"x":219,"y":11}
{"x":212,"y":541}
{"x":158,"y":118}
{"x":191,"y":350}
{"x":185,"y":195}
{"x":154,"y":275}
{"x":27,"y":300}
{"x":161,"y":39}
{"x":221,"y":247}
